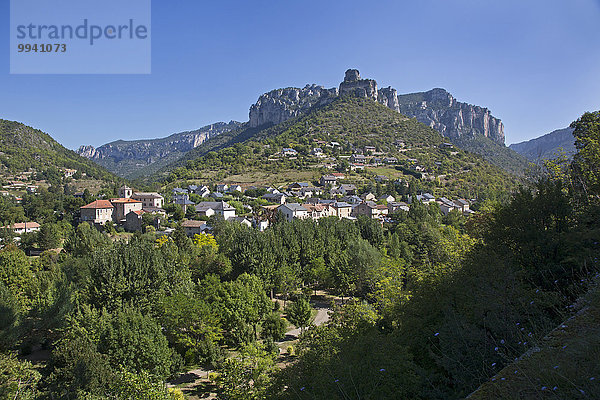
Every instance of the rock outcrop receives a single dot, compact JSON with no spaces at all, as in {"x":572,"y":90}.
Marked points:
{"x":279,"y":105}
{"x":389,"y":98}
{"x":436,"y":108}
{"x":453,"y":119}
{"x":354,"y":85}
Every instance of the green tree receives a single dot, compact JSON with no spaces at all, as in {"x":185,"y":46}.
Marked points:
{"x":299,"y":313}
{"x":586,"y":162}
{"x":247,"y":376}
{"x":49,"y":236}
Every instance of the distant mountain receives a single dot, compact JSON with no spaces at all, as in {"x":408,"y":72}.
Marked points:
{"x":131,"y":159}
{"x":470,"y":127}
{"x":547,"y":146}
{"x":23,"y":148}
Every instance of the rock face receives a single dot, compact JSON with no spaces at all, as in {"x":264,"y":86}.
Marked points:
{"x":438,"y":109}
{"x":124,"y":158}
{"x":354,"y":85}
{"x":389,"y":98}
{"x":279,"y":105}
{"x":87,"y":151}
{"x":547,"y":146}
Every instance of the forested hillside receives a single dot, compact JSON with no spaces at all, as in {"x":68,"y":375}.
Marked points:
{"x":23,"y":148}
{"x":425,"y":306}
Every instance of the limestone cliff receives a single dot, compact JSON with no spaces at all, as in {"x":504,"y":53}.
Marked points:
{"x":453,"y":119}
{"x":280,"y":105}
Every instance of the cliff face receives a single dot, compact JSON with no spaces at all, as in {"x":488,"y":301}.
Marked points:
{"x":279,"y":105}
{"x":124,"y":158}
{"x":436,"y":108}
{"x":453,"y":119}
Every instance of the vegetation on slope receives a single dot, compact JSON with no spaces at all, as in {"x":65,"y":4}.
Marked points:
{"x":23,"y":148}
{"x":353,"y":123}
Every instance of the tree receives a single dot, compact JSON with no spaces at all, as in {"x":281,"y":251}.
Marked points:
{"x":18,"y":379}
{"x":586,"y":162}
{"x":274,"y":327}
{"x":247,"y":376}
{"x":299,"y":313}
{"x":49,"y":236}
{"x":192,"y":326}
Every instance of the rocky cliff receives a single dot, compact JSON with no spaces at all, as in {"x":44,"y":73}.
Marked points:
{"x":453,"y":119}
{"x":279,"y":105}
{"x":435,"y":108}
{"x":125,"y":158}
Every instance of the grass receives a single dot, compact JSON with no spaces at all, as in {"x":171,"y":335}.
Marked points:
{"x":566,"y":365}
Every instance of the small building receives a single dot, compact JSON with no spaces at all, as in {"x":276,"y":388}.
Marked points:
{"x":395,"y":206}
{"x":287,"y":151}
{"x":381,"y":178}
{"x":278,"y":198}
{"x":184,"y":201}
{"x":242,"y":221}
{"x":342,"y":209}
{"x":293,"y":210}
{"x":328,"y":180}
{"x":368,"y":197}
{"x":387,"y":198}
{"x":463,"y":205}
{"x":149,"y":199}
{"x":97,"y":212}
{"x":234,"y":188}
{"x":22,"y":227}
{"x":123,"y":206}
{"x":348,"y":189}
{"x":358,"y":158}
{"x":222,"y":188}
{"x":192,"y":227}
{"x":125,"y":192}
{"x":133,"y":221}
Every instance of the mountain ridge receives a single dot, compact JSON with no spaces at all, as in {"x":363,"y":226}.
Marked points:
{"x":132,"y":158}
{"x":547,"y":146}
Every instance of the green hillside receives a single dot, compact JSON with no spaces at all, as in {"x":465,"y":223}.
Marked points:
{"x":23,"y":148}
{"x":495,"y":153}
{"x":253,"y":155}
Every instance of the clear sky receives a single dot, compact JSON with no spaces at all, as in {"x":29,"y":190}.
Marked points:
{"x":535,"y":64}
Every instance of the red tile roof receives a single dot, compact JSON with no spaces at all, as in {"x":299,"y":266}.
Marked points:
{"x":99,"y":204}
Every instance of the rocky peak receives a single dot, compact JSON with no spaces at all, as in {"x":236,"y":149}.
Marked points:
{"x":436,"y":108}
{"x":388,"y":97}
{"x":352,"y":75}
{"x":353,"y":84}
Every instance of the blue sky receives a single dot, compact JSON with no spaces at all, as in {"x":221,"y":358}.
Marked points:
{"x":534,"y":64}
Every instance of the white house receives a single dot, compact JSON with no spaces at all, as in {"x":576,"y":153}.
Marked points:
{"x":293,"y":210}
